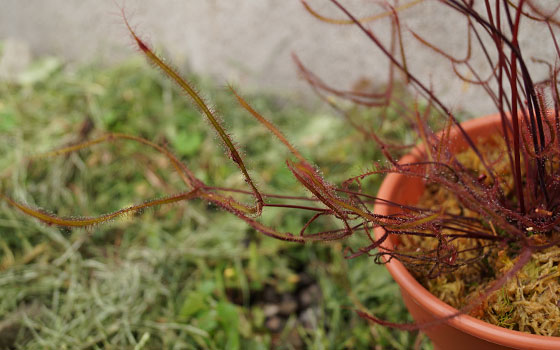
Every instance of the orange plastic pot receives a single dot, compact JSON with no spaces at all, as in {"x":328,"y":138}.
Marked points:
{"x":461,"y":332}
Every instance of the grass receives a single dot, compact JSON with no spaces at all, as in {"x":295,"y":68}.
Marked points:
{"x":182,"y":277}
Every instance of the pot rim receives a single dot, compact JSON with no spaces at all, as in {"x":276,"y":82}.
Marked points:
{"x":423,"y":297}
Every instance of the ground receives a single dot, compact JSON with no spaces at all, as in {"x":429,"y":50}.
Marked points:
{"x":187,"y":276}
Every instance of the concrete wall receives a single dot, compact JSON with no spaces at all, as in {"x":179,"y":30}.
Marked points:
{"x":249,"y":42}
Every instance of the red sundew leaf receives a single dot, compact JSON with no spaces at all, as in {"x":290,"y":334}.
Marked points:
{"x":367,"y":19}
{"x":50,"y":219}
{"x":548,"y":17}
{"x":237,"y":209}
{"x":204,"y":108}
{"x":314,"y":183}
{"x":422,"y":88}
{"x":442,"y":52}
{"x":267,"y":124}
{"x":326,"y":193}
{"x":366,"y":99}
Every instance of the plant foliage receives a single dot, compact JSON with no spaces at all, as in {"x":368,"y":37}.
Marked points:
{"x":523,"y":215}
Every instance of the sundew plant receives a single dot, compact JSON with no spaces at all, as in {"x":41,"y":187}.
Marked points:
{"x":518,"y":210}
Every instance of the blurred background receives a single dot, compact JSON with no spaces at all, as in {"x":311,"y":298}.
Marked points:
{"x":250,"y":43}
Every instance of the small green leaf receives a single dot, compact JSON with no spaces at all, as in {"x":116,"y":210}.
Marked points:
{"x":207,"y":320}
{"x":192,"y":304}
{"x":229,"y":319}
{"x":207,"y":287}
{"x":7,"y":120}
{"x":154,"y":240}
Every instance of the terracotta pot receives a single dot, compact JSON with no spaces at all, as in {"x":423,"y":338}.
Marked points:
{"x":462,"y":332}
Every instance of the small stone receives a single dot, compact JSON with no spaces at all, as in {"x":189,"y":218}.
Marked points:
{"x":288,"y":305}
{"x":270,"y":310}
{"x":305,"y":298}
{"x":305,"y":280}
{"x":270,"y":295}
{"x":309,"y":295}
{"x":308,"y":319}
{"x":294,"y":339}
{"x":274,"y":324}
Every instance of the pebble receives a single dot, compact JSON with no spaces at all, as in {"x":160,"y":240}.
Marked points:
{"x":270,"y":310}
{"x":308,"y":319}
{"x":288,"y":305}
{"x":309,"y":296}
{"x":274,"y":324}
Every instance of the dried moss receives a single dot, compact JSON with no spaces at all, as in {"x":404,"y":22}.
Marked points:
{"x":528,"y":302}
